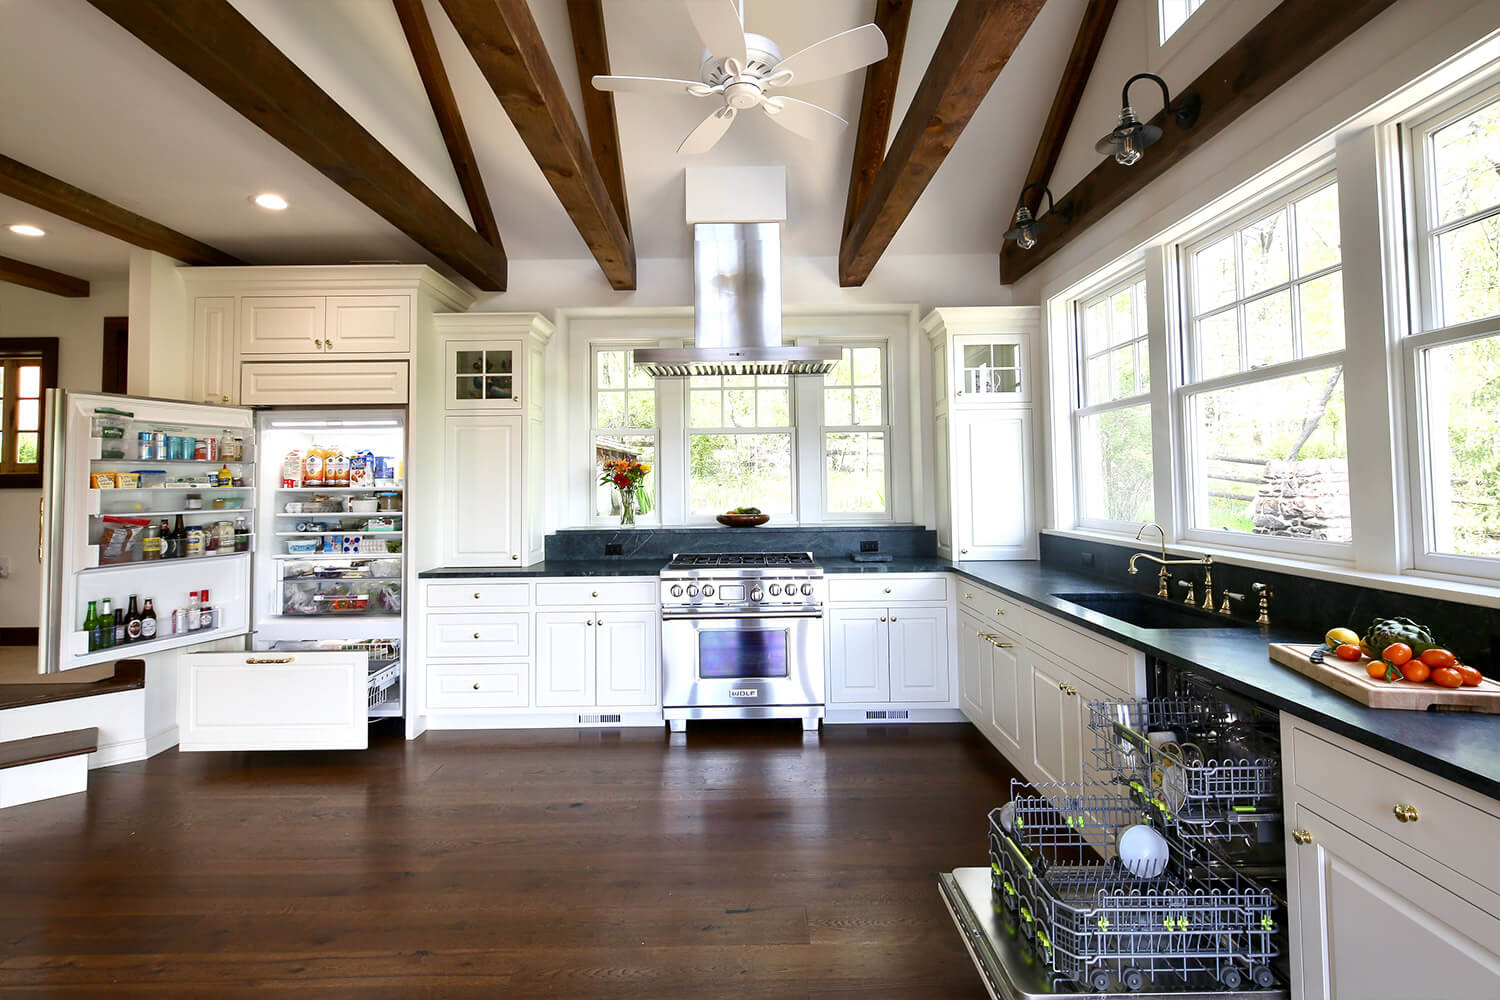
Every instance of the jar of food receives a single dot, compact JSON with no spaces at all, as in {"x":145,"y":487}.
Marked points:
{"x":194,"y":501}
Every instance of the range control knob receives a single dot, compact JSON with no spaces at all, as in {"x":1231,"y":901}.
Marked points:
{"x":676,"y":590}
{"x":692,"y":590}
{"x":757,"y":595}
{"x":807,"y":589}
{"x":775,"y":589}
{"x":708,"y":590}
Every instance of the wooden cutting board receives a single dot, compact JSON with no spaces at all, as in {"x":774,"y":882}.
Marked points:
{"x":1352,"y":680}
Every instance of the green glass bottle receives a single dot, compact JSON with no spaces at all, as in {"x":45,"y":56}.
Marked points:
{"x":91,"y":626}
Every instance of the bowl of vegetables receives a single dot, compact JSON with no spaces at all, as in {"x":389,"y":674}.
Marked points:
{"x":743,"y":517}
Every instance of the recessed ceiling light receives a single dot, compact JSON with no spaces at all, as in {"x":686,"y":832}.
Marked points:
{"x":27,"y":229}
{"x":274,"y":202}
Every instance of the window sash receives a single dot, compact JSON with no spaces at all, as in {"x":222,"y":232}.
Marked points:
{"x":789,"y":432}
{"x":1135,"y":343}
{"x":10,"y":405}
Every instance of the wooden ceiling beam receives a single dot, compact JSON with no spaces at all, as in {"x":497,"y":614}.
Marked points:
{"x":1075,"y":76}
{"x":503,"y":38}
{"x":1294,"y":35}
{"x":876,"y":106}
{"x":591,"y":49}
{"x":18,"y":272}
{"x":424,"y":53}
{"x":216,"y":46}
{"x":76,"y":205}
{"x":980,"y":37}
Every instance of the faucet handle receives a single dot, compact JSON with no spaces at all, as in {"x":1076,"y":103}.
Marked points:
{"x":1192,"y":594}
{"x":1228,"y":595}
{"x":1266,"y":593}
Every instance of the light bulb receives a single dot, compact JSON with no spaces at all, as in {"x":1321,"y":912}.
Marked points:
{"x":274,"y":202}
{"x":27,"y":229}
{"x":1127,"y":153}
{"x":1026,"y":240}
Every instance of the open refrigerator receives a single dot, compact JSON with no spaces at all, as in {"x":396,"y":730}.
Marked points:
{"x":308,"y":581}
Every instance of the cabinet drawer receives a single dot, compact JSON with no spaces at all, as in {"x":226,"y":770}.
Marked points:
{"x":1452,"y":832}
{"x":585,"y":593}
{"x":885,"y":590}
{"x":478,"y":595}
{"x":479,"y":685}
{"x":988,"y":605}
{"x":479,"y":635}
{"x":1122,"y":669}
{"x":307,"y":383}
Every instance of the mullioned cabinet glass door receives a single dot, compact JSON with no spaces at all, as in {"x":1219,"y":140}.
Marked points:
{"x":990,"y":369}
{"x":483,"y":375}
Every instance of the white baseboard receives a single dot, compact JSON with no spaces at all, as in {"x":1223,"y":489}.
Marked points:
{"x":124,"y":752}
{"x":164,"y":740}
{"x":437,"y":721}
{"x":45,"y":779}
{"x":844,"y":715}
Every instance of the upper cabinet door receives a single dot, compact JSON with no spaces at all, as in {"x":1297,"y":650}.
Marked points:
{"x":992,"y":485}
{"x":991,"y":369}
{"x":369,"y":324}
{"x":273,"y":701}
{"x":213,"y":351}
{"x":484,"y":375}
{"x":282,"y":324}
{"x":919,"y":654}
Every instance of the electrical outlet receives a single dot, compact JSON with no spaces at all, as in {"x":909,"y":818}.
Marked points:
{"x":867,"y":546}
{"x":614,"y":548}
{"x":1087,"y":558}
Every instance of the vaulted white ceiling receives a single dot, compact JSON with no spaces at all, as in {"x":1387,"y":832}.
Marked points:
{"x":88,"y":103}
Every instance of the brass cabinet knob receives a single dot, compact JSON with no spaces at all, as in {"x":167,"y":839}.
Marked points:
{"x":476,"y":635}
{"x":888,"y":590}
{"x":1302,"y":836}
{"x":968,"y":596}
{"x":514,"y":556}
{"x":476,"y":597}
{"x":590,"y":622}
{"x":963,"y":552}
{"x":1061,"y":686}
{"x":595,"y":593}
{"x":999,"y":611}
{"x":893,"y":617}
{"x":1405,"y":813}
{"x":476,"y":685}
{"x":223,"y":399}
{"x":599,"y":622}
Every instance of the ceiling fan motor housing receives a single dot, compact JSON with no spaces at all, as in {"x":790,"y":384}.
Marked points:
{"x":761,"y":54}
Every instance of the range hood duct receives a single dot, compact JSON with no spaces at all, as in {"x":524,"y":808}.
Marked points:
{"x":737,"y":310}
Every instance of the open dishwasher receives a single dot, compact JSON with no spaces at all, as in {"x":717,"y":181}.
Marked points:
{"x":1058,"y":913}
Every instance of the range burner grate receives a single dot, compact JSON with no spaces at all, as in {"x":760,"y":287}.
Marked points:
{"x":741,"y":560}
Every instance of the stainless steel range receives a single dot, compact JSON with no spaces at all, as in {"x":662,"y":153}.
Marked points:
{"x":742,"y":637}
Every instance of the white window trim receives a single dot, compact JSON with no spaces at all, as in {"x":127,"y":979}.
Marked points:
{"x":1077,"y":372}
{"x":885,"y":428}
{"x":595,"y":431}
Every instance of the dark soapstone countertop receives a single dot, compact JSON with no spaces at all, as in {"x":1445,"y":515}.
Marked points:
{"x":1462,"y":748}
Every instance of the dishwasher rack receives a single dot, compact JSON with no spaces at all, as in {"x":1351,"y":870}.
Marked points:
{"x":1091,"y":921}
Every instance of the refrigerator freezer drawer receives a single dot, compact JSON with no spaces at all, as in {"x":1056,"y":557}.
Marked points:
{"x":273,"y":701}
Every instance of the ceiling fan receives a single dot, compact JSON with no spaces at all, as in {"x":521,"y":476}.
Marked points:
{"x":740,"y":68}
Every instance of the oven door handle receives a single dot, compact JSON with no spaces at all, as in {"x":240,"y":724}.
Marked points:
{"x":737,"y":616}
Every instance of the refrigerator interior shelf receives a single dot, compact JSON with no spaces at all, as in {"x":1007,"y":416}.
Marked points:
{"x":97,"y":567}
{"x":186,"y":512}
{"x":337,"y":513}
{"x":327,"y":556}
{"x":347,"y":534}
{"x":217,"y":463}
{"x":339,"y":489}
{"x":339,"y":579}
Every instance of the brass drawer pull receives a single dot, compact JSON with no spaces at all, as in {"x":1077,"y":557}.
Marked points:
{"x":1302,"y":836}
{"x":1004,"y":645}
{"x":269,"y":659}
{"x":1406,"y":814}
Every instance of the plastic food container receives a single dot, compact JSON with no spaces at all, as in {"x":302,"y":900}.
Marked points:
{"x":302,"y":546}
{"x":152,"y":479}
{"x":294,"y":508}
{"x":366,"y":505}
{"x":388,"y":501}
{"x":344,"y":603}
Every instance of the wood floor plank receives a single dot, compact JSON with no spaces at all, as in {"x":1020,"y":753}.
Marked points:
{"x":517,"y":864}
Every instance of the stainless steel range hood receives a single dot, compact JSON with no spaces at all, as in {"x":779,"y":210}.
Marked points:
{"x":737,"y":310}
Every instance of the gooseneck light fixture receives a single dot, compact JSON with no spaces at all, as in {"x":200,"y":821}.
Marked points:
{"x":1027,"y":228}
{"x":1131,"y":136}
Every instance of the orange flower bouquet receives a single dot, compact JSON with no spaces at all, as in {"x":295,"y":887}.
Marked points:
{"x":629,"y":477}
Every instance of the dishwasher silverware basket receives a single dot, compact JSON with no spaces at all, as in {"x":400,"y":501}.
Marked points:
{"x":1220,"y":778}
{"x":1094,"y":923}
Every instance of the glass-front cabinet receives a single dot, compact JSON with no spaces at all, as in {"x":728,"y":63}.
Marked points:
{"x":990,"y":369}
{"x":483,"y":375}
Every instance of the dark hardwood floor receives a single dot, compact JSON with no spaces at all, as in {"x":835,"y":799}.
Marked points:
{"x":562,"y":863}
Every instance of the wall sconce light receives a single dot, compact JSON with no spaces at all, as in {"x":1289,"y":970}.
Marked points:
{"x":1026,"y":229}
{"x":1131,"y":136}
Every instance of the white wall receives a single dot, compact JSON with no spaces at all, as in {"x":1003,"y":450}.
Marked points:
{"x":78,"y":324}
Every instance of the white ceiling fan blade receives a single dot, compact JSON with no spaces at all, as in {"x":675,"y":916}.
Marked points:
{"x":718,"y":24}
{"x":833,"y":56}
{"x":652,"y":85}
{"x":708,"y":132}
{"x":807,"y":120}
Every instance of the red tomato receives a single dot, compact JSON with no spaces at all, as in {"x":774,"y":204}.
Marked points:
{"x":1376,"y":669}
{"x":1439,"y":658}
{"x":1447,"y":677}
{"x":1396,"y":653}
{"x":1470,"y":675}
{"x":1415,"y":671}
{"x":1348,"y":651}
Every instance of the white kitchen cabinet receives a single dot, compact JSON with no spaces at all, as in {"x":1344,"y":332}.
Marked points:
{"x":316,"y":383}
{"x":368,"y":324}
{"x":859,"y":667}
{"x":973,"y":673}
{"x":918,"y":650}
{"x":482,"y":490}
{"x":483,"y":375}
{"x":282,"y":324}
{"x":479,"y":684}
{"x":213,"y":376}
{"x":273,"y":701}
{"x":1007,"y":693}
{"x":604,"y":657}
{"x":1056,"y":748}
{"x":982,"y":423}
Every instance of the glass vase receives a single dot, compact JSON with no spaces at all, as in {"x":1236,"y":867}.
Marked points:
{"x":627,"y":508}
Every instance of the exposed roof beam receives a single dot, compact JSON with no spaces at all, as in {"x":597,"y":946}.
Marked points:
{"x":214,"y":44}
{"x":18,"y":272}
{"x":76,"y":205}
{"x":979,"y":40}
{"x":1294,"y":35}
{"x":876,"y":106}
{"x":424,"y":53}
{"x":503,"y":38}
{"x":1075,"y":76}
{"x":591,"y":48}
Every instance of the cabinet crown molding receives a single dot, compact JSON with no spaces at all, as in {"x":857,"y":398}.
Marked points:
{"x":318,"y":279}
{"x":953,"y":320}
{"x":481,"y":324}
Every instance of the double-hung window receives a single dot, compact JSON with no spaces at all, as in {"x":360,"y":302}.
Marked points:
{"x":1452,"y":359}
{"x":28,"y":368}
{"x":624,"y":426}
{"x":1174,"y":14}
{"x":1262,"y":399}
{"x":739,"y":444}
{"x":1112,"y":416}
{"x":856,"y":435}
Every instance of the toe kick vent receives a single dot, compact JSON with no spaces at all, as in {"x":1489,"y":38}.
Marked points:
{"x":891,"y":713}
{"x":614,"y":717}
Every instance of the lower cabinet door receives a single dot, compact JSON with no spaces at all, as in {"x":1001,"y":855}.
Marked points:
{"x":1007,"y":694}
{"x":565,"y":659}
{"x":625,"y":651}
{"x":919,"y":654}
{"x":1051,"y":728}
{"x":1365,"y":926}
{"x":859,"y":662}
{"x":973,"y":673}
{"x":273,"y":701}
